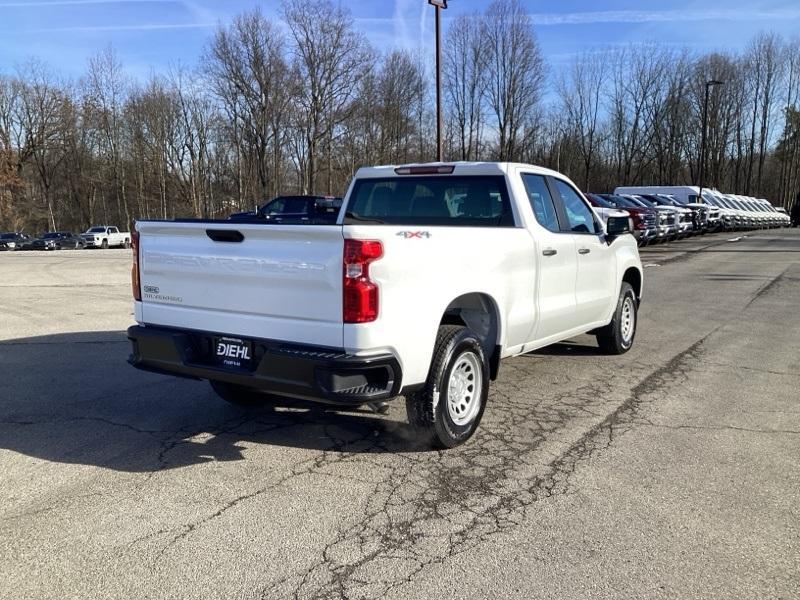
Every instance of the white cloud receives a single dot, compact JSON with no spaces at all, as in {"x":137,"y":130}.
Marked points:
{"x":41,"y":3}
{"x":410,"y":24}
{"x":661,"y":16}
{"x":100,"y":28}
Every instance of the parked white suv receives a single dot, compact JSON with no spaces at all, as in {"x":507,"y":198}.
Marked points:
{"x":106,"y":236}
{"x":431,"y":274}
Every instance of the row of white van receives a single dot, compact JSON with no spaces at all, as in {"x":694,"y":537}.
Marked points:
{"x":735,"y":210}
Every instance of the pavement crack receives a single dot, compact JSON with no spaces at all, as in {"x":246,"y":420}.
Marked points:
{"x":767,"y":287}
{"x":727,"y":428}
{"x":431,"y":509}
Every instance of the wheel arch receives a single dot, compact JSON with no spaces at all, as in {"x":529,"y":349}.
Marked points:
{"x":633,"y":276}
{"x":478,"y":311}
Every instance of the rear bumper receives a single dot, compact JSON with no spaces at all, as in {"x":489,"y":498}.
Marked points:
{"x":312,"y":373}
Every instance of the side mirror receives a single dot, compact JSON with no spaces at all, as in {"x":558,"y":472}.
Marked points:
{"x":616,"y":226}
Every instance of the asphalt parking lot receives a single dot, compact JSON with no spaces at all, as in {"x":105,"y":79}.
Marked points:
{"x":668,"y":472}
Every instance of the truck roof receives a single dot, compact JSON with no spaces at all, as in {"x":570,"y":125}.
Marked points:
{"x":459,"y":168}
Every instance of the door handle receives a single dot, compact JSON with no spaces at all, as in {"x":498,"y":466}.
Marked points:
{"x":549,"y":251}
{"x":225,"y":235}
{"x":584,"y":251}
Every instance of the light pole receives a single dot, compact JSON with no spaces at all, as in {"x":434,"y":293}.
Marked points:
{"x":438,"y":5}
{"x":703,"y":136}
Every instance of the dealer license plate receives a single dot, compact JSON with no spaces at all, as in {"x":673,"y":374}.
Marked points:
{"x":233,"y":352}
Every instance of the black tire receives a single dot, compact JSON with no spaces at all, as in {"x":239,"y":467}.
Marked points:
{"x":617,"y":337}
{"x":429,"y":409}
{"x":127,"y":243}
{"x":104,"y":245}
{"x":240,"y":395}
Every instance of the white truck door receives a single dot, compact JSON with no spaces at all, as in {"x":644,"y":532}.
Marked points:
{"x":596,"y":278}
{"x":556,"y":261}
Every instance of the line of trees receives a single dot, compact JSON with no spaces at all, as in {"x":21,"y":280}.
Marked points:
{"x":271,"y":109}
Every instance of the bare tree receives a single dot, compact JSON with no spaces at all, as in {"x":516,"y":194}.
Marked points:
{"x":249,"y":75}
{"x":41,"y":125}
{"x":465,"y":76}
{"x":106,"y":86}
{"x":580,"y":94}
{"x":331,"y":60}
{"x":516,"y":72}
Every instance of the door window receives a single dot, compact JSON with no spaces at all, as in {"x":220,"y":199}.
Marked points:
{"x":580,"y":217}
{"x":541,"y":201}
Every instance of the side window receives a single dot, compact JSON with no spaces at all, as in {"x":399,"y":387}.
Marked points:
{"x":276,"y":206}
{"x":541,"y":201}
{"x":579,"y":216}
{"x":295,"y":205}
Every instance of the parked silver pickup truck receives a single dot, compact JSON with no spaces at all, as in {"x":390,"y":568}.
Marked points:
{"x":106,"y":236}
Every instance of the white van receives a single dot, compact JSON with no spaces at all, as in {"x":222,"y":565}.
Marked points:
{"x":685,"y":194}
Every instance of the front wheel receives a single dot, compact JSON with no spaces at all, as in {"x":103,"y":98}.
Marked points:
{"x":447,"y":410}
{"x":617,"y":336}
{"x":104,"y":245}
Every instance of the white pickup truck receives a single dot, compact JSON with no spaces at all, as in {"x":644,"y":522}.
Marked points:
{"x":106,"y":236}
{"x":431,"y":275}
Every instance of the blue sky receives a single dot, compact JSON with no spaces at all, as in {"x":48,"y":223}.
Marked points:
{"x":149,"y":35}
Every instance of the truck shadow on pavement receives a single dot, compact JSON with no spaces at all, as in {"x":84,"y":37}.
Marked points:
{"x":72,"y":398}
{"x":569,"y":348}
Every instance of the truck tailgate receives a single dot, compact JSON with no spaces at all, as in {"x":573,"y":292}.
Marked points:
{"x":281,"y":282}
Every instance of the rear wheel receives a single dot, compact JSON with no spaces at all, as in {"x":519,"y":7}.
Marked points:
{"x":617,"y":336}
{"x":240,"y":395}
{"x":447,"y":411}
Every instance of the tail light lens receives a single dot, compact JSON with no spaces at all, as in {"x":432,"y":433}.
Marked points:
{"x":135,"y":281}
{"x":638,"y":221}
{"x":360,"y":293}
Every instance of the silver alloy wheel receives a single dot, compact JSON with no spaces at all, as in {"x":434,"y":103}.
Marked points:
{"x":627,"y":320}
{"x":464,"y":389}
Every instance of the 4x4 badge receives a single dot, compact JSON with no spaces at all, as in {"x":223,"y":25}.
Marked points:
{"x":413,"y":234}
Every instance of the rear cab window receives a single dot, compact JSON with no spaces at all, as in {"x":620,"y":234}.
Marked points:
{"x":444,"y":200}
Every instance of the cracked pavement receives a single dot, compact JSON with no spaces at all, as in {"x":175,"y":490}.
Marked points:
{"x":668,"y":472}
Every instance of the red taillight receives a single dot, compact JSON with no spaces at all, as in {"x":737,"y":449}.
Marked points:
{"x":638,"y":221}
{"x":135,"y":283}
{"x":360,"y":294}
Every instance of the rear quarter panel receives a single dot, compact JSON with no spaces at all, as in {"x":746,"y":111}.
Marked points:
{"x":419,"y":276}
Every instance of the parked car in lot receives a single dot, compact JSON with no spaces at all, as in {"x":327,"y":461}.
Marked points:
{"x":728,"y":216}
{"x":429,"y":276}
{"x":55,"y":240}
{"x":669,"y":223}
{"x":12,"y":240}
{"x":646,"y":221}
{"x":705,"y":217}
{"x":318,"y":210}
{"x":786,"y":220}
{"x":779,"y":219}
{"x":605,"y":208}
{"x":106,"y":236}
{"x":684,"y":216}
